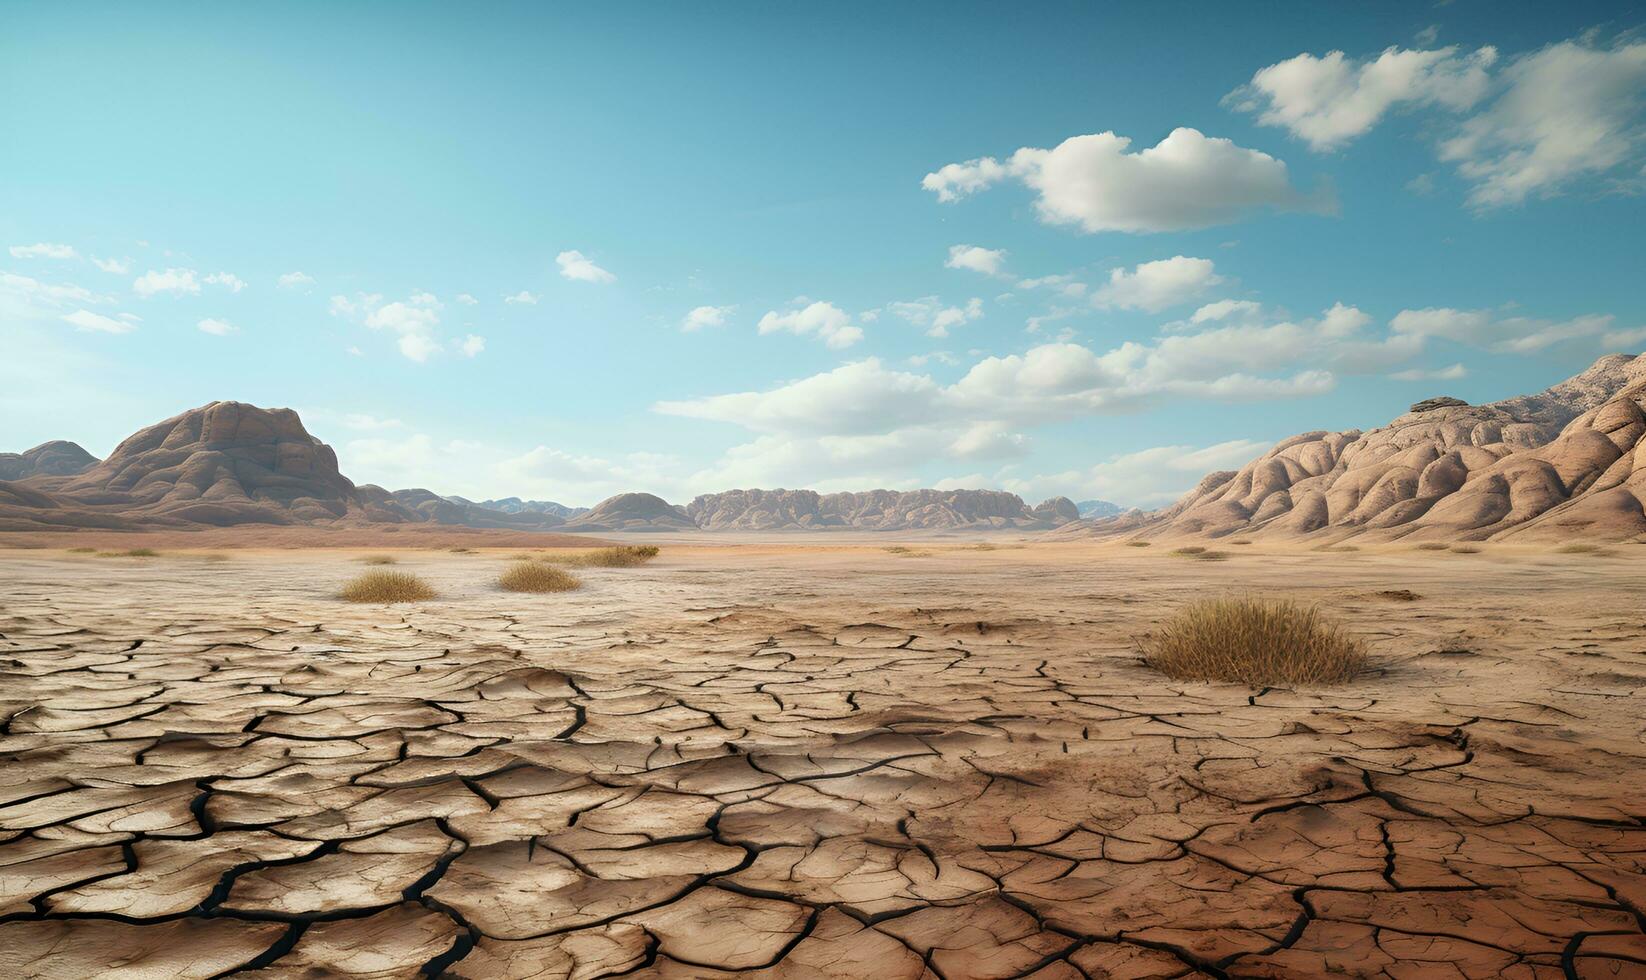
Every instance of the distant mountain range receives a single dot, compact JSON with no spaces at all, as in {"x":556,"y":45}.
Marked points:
{"x":227,"y":464}
{"x":1098,"y":508}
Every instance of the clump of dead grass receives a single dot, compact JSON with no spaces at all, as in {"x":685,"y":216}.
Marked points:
{"x":1581,"y":548}
{"x":1465,"y":549}
{"x":1137,"y":544}
{"x":379,"y":560}
{"x":1259,"y":642}
{"x":130,"y":553}
{"x":386,"y":587}
{"x":82,"y":551}
{"x":535,"y":576}
{"x":619,"y":556}
{"x":1433,"y":546}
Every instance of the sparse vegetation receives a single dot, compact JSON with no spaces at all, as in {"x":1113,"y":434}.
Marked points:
{"x":535,"y":576}
{"x":1260,"y":642}
{"x":1241,"y":541}
{"x":386,"y":587}
{"x":1580,"y":548}
{"x":1137,"y":544}
{"x":1336,"y":548}
{"x":1465,"y":549}
{"x":461,"y":551}
{"x":1432,"y":546}
{"x":1188,"y":551}
{"x":82,"y":551}
{"x":379,"y":560}
{"x":620,"y":556}
{"x":130,"y":553}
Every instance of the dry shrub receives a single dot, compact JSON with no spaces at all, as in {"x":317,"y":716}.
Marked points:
{"x":1211,"y":556}
{"x":379,"y":560}
{"x":1581,"y":549}
{"x":386,"y":587}
{"x":1336,"y":548}
{"x":1188,"y":551}
{"x":1241,"y":541}
{"x":1432,"y":546}
{"x":82,"y":551}
{"x":535,"y":576}
{"x":620,"y":556}
{"x":1137,"y":544}
{"x":130,"y":553}
{"x":1465,"y":549}
{"x":461,"y":551}
{"x":1260,"y":642}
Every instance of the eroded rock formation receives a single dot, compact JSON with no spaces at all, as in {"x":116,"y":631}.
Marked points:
{"x":878,"y":510}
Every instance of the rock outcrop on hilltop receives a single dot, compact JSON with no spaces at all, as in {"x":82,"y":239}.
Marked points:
{"x":436,"y":509}
{"x":1097,"y":508}
{"x":55,"y":458}
{"x":632,"y":512}
{"x":878,"y":510}
{"x":1568,"y":461}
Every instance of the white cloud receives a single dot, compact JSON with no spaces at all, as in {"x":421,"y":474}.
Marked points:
{"x":418,"y":347}
{"x":296,"y":280}
{"x":177,"y":282}
{"x":1569,"y":110}
{"x":44,"y":250}
{"x":705,"y":316}
{"x":1064,"y":284}
{"x":419,"y":314}
{"x":217,"y":328}
{"x":1187,"y":180}
{"x":473,"y":345}
{"x":522,"y":298}
{"x":1451,"y":373}
{"x":118,"y":267}
{"x":856,"y":398}
{"x":576,"y":266}
{"x":988,"y":261}
{"x":227,"y":280}
{"x":582,"y":478}
{"x":825,"y":320}
{"x":359,"y":304}
{"x":1329,"y":101}
{"x":1148,"y":477}
{"x":1514,"y":335}
{"x":33,"y":291}
{"x":1155,"y":286}
{"x":1226,"y":309}
{"x":466,"y":299}
{"x":929,"y":312}
{"x":97,"y":323}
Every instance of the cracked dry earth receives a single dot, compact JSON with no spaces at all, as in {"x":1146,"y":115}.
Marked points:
{"x":804,"y":762}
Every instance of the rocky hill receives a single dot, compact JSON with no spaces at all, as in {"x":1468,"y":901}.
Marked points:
{"x":879,"y":510}
{"x":55,"y":458}
{"x":1565,"y":462}
{"x":1098,"y":508}
{"x":632,"y":512}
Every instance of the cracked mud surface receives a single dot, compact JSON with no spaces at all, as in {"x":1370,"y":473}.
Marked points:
{"x":809,"y":762}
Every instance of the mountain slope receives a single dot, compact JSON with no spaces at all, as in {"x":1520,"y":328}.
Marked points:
{"x":1562,"y":462}
{"x":879,"y":510}
{"x":55,"y":458}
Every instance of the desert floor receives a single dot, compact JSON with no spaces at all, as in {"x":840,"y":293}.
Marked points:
{"x":797,"y":759}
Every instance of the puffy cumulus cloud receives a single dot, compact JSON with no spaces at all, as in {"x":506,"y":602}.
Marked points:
{"x":418,"y":347}
{"x":117,"y":267}
{"x":177,"y":282}
{"x":1513,"y":335}
{"x":824,"y":320}
{"x":296,"y":280}
{"x":1569,"y":110}
{"x":414,"y":320}
{"x":98,"y":323}
{"x":44,"y":250}
{"x":1146,"y":478}
{"x":227,"y":280}
{"x":576,"y":266}
{"x":1187,"y":180}
{"x":931,"y":313}
{"x":853,"y":399}
{"x":1331,"y":100}
{"x":522,"y":298}
{"x":705,"y":316}
{"x":1226,"y":309}
{"x":988,"y":440}
{"x":989,"y":261}
{"x":1451,"y":373}
{"x":472,"y":345}
{"x":577,"y":478}
{"x":1158,"y":285}
{"x":416,"y":315}
{"x":217,"y":328}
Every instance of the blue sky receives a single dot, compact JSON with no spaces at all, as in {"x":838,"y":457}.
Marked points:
{"x":1053,"y":248}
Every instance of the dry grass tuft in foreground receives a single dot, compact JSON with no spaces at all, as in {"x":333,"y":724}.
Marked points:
{"x":1582,"y":549}
{"x":1137,"y":544}
{"x":621,"y":556}
{"x":130,"y":553}
{"x":1432,"y":546}
{"x":379,"y":560}
{"x":1465,"y":549}
{"x":1260,"y":642}
{"x":386,"y":587}
{"x":534,"y":576}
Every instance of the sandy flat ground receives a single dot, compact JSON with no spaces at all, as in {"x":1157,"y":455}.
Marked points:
{"x":802,"y":758}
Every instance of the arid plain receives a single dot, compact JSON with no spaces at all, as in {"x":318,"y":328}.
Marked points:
{"x":851,"y":757}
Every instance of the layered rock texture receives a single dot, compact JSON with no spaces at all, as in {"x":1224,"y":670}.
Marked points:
{"x":1567,"y":462}
{"x":633,"y":512}
{"x":514,"y":505}
{"x":877,"y":510}
{"x":55,"y":458}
